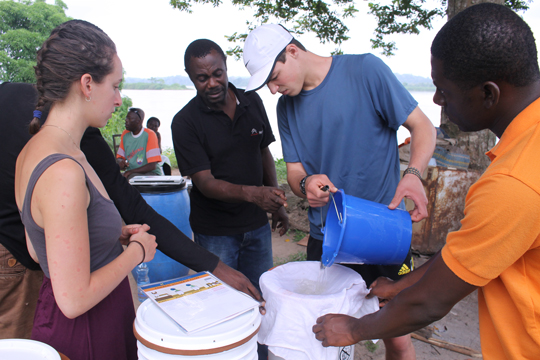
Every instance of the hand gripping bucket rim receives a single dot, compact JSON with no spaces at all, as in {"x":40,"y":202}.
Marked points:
{"x":359,"y":231}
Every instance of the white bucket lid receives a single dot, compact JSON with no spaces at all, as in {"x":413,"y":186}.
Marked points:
{"x":157,"y":180}
{"x":22,"y":349}
{"x":158,"y":331}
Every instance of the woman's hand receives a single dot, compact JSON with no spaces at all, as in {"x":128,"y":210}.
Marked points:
{"x":147,"y":242}
{"x":129,"y":230}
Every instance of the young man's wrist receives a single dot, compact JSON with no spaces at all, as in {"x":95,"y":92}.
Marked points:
{"x":303,"y":184}
{"x":413,"y":171}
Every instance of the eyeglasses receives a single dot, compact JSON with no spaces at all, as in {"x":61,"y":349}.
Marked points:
{"x":136,"y":112}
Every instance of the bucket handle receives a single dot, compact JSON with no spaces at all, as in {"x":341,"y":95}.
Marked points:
{"x":339,"y":215}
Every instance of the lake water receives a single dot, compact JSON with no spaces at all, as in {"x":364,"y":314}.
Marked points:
{"x":164,"y":104}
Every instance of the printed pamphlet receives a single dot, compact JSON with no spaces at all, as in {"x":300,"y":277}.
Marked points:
{"x":199,"y":301}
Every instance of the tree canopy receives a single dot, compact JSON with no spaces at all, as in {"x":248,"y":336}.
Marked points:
{"x":24,"y":26}
{"x":327,"y":18}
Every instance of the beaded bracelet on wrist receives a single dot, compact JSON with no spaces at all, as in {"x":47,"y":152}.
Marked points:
{"x":413,"y":171}
{"x":303,"y":184}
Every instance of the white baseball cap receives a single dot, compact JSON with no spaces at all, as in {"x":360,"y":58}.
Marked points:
{"x":261,"y":49}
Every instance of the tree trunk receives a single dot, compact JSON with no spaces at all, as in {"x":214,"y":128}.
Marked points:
{"x":476,"y":144}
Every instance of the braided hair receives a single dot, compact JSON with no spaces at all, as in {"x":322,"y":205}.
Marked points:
{"x":73,"y":49}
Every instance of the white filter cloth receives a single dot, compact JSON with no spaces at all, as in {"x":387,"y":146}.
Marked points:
{"x":296,"y":295}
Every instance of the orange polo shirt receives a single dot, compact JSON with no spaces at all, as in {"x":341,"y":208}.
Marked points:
{"x":497,"y":247}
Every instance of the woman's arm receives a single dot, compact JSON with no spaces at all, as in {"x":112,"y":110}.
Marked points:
{"x":59,"y":205}
{"x":135,"y":210}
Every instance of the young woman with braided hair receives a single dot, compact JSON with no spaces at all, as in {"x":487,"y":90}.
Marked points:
{"x":85,"y":308}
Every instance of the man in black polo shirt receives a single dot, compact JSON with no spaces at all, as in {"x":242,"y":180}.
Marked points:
{"x":221,"y":140}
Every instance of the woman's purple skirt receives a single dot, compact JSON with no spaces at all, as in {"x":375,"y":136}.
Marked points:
{"x":104,"y":332}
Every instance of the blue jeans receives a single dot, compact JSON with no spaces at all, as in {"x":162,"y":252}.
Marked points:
{"x":250,"y":252}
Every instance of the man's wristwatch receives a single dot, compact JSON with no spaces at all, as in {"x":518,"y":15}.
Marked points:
{"x":303,"y":184}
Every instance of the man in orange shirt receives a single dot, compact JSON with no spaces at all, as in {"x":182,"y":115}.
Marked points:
{"x":139,"y":152}
{"x":485,"y":67}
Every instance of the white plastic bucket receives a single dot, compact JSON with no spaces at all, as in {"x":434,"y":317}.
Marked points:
{"x":161,"y":338}
{"x":296,"y":295}
{"x":22,"y":349}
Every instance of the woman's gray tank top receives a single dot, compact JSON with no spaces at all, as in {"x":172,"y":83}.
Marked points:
{"x":104,"y":221}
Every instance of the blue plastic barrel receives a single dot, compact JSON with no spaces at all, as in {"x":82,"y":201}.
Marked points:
{"x":359,"y":231}
{"x":171,"y":200}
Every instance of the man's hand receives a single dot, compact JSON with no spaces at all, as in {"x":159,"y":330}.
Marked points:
{"x":238,"y":281}
{"x":268,"y":198}
{"x":411,"y":187}
{"x":280,"y":220}
{"x":385,"y":289}
{"x":129,"y":230}
{"x":335,"y":330}
{"x":123,"y":163}
{"x":315,"y":195}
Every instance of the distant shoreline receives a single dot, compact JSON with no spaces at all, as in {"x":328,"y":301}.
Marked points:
{"x":154,"y":86}
{"x":420,"y":88}
{"x":179,"y":82}
{"x":184,"y":87}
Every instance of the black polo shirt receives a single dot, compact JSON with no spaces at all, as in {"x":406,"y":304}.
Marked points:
{"x":205,"y":139}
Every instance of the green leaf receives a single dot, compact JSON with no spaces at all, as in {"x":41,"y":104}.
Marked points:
{"x":24,"y":26}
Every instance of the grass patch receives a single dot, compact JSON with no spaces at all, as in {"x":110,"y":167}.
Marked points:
{"x":281,"y":171}
{"x":299,"y":256}
{"x":371,"y":346}
{"x":298,"y":235}
{"x":169,"y":152}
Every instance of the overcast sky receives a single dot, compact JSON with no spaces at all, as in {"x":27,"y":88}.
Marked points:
{"x":151,"y":36}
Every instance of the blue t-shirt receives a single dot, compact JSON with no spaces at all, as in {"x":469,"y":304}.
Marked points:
{"x":346,"y":128}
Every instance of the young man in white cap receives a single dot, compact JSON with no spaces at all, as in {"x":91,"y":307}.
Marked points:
{"x":338,"y":122}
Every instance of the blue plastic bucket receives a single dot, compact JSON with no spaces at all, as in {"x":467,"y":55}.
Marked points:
{"x":359,"y":231}
{"x":171,"y":200}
